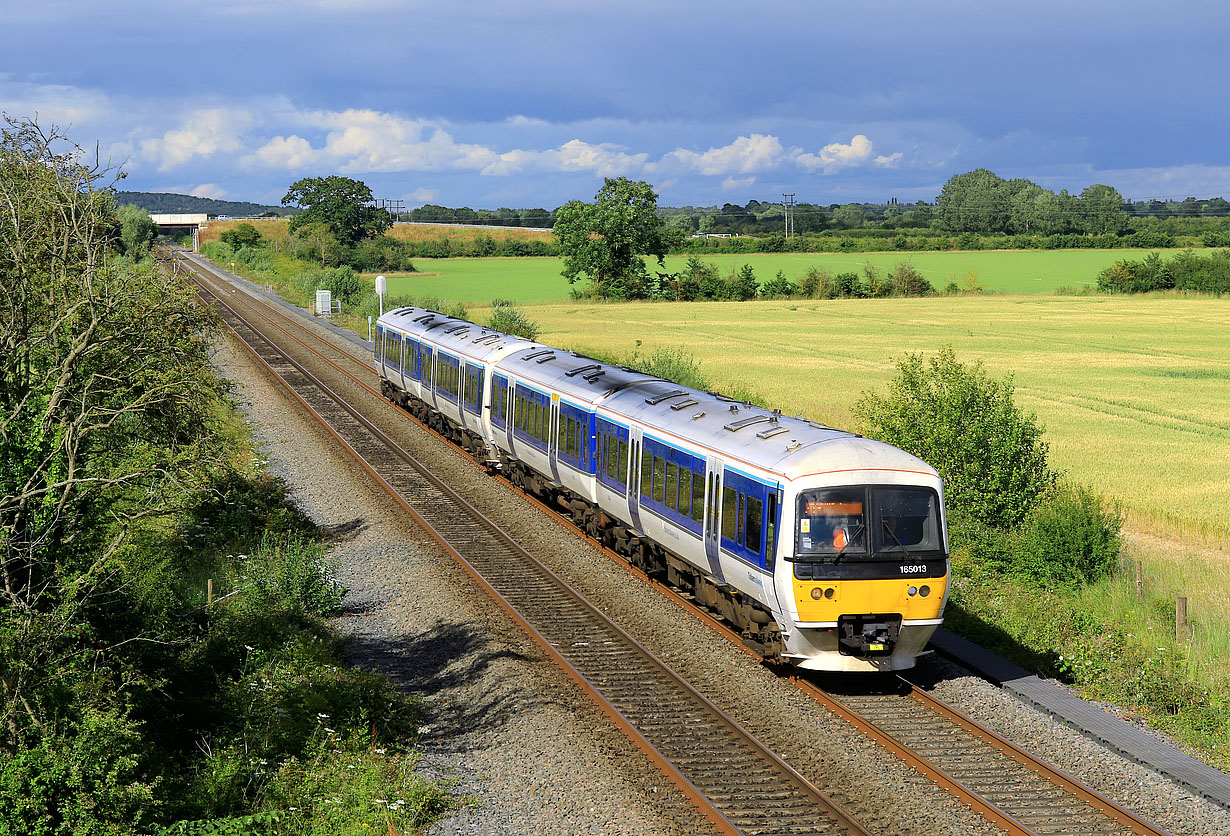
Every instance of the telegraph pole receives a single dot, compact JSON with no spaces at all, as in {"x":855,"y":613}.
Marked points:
{"x":393,"y":206}
{"x":788,"y":205}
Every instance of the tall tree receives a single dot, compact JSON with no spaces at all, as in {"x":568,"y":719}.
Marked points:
{"x":1101,"y":210}
{"x":977,"y":201}
{"x":341,"y":204}
{"x":604,"y":240}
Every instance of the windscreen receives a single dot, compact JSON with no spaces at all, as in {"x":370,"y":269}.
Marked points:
{"x":909,"y":520}
{"x":833,"y":522}
{"x":867,"y":522}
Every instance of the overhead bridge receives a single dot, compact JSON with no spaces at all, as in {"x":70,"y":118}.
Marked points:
{"x":183,"y":223}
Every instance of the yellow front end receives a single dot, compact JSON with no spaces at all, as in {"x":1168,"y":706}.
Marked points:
{"x":826,"y":600}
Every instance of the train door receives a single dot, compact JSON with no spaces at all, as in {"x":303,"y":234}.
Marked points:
{"x":553,"y":438}
{"x":634,"y":477}
{"x":427,"y":385}
{"x":713,"y":521}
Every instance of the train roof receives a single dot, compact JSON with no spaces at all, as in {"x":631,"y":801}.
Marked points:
{"x":764,"y":438}
{"x":457,"y":335}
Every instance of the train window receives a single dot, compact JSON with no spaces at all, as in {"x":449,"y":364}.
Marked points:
{"x":698,"y":498}
{"x":770,"y":532}
{"x":909,"y":520}
{"x":685,"y":490}
{"x":646,"y":473}
{"x":622,"y":458}
{"x":755,"y":519}
{"x":730,"y":509}
{"x":672,"y":485}
{"x":832,"y":522}
{"x":561,"y":436}
{"x":659,"y":472}
{"x":739,"y":527}
{"x":574,"y":443}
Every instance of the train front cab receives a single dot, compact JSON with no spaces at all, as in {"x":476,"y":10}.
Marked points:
{"x":866,"y":575}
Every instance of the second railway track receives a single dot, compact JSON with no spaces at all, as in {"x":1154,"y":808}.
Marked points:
{"x":670,"y":729}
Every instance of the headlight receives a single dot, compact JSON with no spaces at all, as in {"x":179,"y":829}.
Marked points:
{"x":912,"y":591}
{"x":817,"y":593}
{"x":924,"y":591}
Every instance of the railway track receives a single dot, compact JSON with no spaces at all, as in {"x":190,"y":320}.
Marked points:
{"x":737,"y":781}
{"x":683,"y":735}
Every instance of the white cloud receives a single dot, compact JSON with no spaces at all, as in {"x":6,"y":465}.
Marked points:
{"x":210,"y":190}
{"x":288,"y":152}
{"x":746,"y":154}
{"x":422,"y":196}
{"x":732,"y":183}
{"x":890,"y":161}
{"x":836,"y":156}
{"x":204,"y":133}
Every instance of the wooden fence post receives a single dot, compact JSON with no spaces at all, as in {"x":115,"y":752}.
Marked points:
{"x":209,"y":592}
{"x":1180,"y":619}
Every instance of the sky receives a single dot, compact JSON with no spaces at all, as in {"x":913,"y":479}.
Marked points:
{"x":489,"y":104}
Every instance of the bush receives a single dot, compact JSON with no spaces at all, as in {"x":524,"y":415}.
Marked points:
{"x":507,"y":317}
{"x":966,"y":426}
{"x":1136,"y":276}
{"x":243,"y":235}
{"x":343,"y":282}
{"x":1071,"y":538}
{"x":85,"y":781}
{"x":906,"y":280}
{"x":381,"y":253}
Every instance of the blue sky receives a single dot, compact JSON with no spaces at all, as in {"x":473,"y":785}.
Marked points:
{"x":492,"y":104}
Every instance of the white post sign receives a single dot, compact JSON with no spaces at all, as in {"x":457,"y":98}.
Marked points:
{"x":382,"y":286}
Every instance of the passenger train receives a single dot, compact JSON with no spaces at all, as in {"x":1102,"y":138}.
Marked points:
{"x":822,"y":548}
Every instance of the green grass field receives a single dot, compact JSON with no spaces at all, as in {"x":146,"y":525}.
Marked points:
{"x":531,"y":280}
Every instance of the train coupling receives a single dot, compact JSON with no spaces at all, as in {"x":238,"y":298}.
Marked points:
{"x":867,"y":635}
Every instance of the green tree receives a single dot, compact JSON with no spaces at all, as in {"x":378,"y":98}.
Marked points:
{"x":1101,"y":210}
{"x":964,"y":424}
{"x":137,"y":231}
{"x":849,"y":216}
{"x":343,"y":205}
{"x":977,"y":201}
{"x":604,"y":240}
{"x":243,"y":235}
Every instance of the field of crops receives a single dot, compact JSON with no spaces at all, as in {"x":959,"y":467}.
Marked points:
{"x":1134,"y":392}
{"x":1007,"y":271}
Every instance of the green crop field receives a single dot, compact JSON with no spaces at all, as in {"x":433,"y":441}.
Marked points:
{"x":527,"y":280}
{"x":1134,"y":392}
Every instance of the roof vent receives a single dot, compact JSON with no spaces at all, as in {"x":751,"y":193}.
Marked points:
{"x":793,"y":445}
{"x":657,"y":399}
{"x":698,"y":416}
{"x":535,"y":355}
{"x":734,"y":407}
{"x":772,"y":431}
{"x":684,"y":404}
{"x":582,"y":369}
{"x":735,"y":426}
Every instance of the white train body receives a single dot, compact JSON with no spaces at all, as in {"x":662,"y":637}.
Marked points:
{"x":825,"y":549}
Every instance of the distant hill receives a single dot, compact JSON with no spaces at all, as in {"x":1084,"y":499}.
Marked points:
{"x":160,"y":203}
